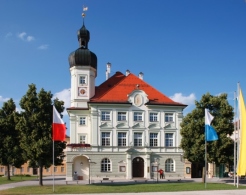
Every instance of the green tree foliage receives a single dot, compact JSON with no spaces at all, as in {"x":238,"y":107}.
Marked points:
{"x":10,"y":151}
{"x":35,"y":126}
{"x":193,"y":128}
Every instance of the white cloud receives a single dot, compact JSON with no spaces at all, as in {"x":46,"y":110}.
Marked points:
{"x":64,"y":95}
{"x":2,"y":99}
{"x":30,"y":38}
{"x":43,"y":47}
{"x":23,"y":36}
{"x":188,"y":100}
{"x":9,"y":34}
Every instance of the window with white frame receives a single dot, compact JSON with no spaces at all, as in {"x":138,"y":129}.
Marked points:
{"x":153,"y":139}
{"x":121,"y":139}
{"x":138,"y":140}
{"x":169,"y":165}
{"x":121,"y":116}
{"x":105,"y":165}
{"x":105,"y":116}
{"x":138,"y":116}
{"x":82,"y":80}
{"x":105,"y":139}
{"x":82,"y":139}
{"x":153,"y":117}
{"x":169,"y":140}
{"x":169,"y":117}
{"x":82,"y":120}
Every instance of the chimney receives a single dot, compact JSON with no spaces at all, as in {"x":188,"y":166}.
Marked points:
{"x":127,"y":72}
{"x":108,"y":70}
{"x":140,"y":75}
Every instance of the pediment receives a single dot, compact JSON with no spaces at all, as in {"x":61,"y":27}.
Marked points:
{"x":122,"y":162}
{"x":154,"y":126}
{"x":122,"y":125}
{"x":105,"y":125}
{"x":138,"y":125}
{"x":169,"y":126}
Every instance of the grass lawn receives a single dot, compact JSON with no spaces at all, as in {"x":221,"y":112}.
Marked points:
{"x":118,"y":188}
{"x":13,"y":179}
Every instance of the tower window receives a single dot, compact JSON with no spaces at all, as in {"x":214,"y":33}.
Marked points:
{"x":82,"y":80}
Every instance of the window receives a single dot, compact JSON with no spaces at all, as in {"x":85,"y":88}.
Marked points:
{"x":47,"y":170}
{"x":2,"y":169}
{"x":28,"y":169}
{"x":82,"y":139}
{"x":169,"y":165}
{"x":121,"y":116}
{"x":153,"y":139}
{"x":137,"y":139}
{"x":105,"y":139}
{"x":168,"y":139}
{"x":62,"y":169}
{"x":153,"y":117}
{"x":105,"y":116}
{"x":22,"y":169}
{"x":82,"y":120}
{"x":169,"y":117}
{"x":138,"y":116}
{"x":105,"y":165}
{"x":55,"y":169}
{"x":82,"y":80}
{"x":121,"y":139}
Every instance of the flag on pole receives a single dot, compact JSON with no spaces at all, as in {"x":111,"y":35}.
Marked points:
{"x":241,"y":169}
{"x":58,"y":126}
{"x":210,"y":132}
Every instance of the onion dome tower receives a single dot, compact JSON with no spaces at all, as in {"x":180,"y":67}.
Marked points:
{"x":83,"y":69}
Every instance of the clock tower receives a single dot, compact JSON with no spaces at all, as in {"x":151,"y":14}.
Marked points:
{"x":83,"y":69}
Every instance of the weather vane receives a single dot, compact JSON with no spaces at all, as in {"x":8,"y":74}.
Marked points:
{"x":84,"y":10}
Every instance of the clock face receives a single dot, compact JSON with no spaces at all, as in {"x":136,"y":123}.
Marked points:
{"x":82,"y":91}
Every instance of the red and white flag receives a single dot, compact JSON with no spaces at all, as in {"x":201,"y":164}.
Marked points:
{"x":58,"y":126}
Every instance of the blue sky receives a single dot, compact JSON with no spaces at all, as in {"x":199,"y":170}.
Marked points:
{"x":185,"y":48}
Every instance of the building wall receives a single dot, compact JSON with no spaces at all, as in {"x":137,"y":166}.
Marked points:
{"x":77,"y":158}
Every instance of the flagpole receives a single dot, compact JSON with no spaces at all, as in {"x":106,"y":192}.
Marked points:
{"x":239,"y":132}
{"x":53,"y":166}
{"x":234,"y":168}
{"x":205,"y":171}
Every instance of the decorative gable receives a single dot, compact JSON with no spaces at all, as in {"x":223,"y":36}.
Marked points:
{"x":138,"y":97}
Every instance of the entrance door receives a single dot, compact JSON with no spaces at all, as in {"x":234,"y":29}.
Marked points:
{"x":138,"y":167}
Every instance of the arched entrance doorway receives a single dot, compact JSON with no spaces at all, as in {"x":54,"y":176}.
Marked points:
{"x":138,"y":167}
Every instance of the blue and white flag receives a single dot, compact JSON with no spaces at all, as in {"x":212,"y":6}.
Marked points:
{"x":210,"y":133}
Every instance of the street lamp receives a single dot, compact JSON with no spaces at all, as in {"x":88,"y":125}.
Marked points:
{"x":157,"y":160}
{"x":89,"y":160}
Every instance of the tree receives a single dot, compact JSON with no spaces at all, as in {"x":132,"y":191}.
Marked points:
{"x":193,"y":128}
{"x":35,"y":126}
{"x":10,"y":151}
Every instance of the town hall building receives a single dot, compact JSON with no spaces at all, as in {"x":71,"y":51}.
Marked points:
{"x":122,"y":129}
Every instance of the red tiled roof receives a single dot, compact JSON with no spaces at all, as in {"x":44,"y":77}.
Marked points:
{"x":117,"y":88}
